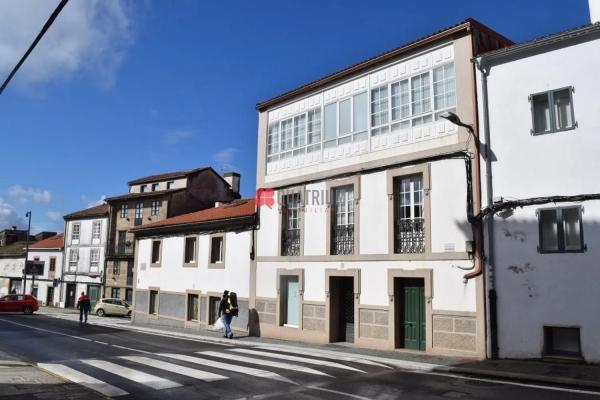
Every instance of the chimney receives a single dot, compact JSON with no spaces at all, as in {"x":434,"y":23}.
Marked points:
{"x":594,"y":6}
{"x":233,"y":178}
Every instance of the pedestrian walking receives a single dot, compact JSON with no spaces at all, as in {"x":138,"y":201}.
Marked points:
{"x":228,"y":308}
{"x":84,"y":305}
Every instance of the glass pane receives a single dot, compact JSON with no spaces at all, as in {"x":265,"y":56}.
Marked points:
{"x":360,"y":112}
{"x":300,"y":130}
{"x":541,"y":113}
{"x":286,"y":134}
{"x":330,"y":121}
{"x":549,"y":230}
{"x":345,"y":117}
{"x":379,"y":106}
{"x":562,"y":109}
{"x":571,"y":228}
{"x":273,"y":139}
{"x":314,"y":126}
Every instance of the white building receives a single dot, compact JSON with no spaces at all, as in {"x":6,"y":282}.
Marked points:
{"x":540,"y":121}
{"x":364,"y":234}
{"x":184,"y":263}
{"x":46,"y":286}
{"x":85,"y":247}
{"x":12,"y":263}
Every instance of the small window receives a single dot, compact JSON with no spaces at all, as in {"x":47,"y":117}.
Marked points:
{"x":76,"y":232}
{"x":216,"y":250}
{"x":154,"y":187}
{"x":94,"y":260}
{"x":73,"y":259}
{"x":115,"y":293}
{"x":170,"y":184}
{"x":561,"y":230}
{"x":190,"y":250}
{"x":152,"y":303}
{"x":143,"y":188}
{"x":193,"y":307}
{"x":116,"y":268}
{"x":561,"y":341}
{"x":155,"y":208}
{"x":96,"y":230}
{"x":553,"y":111}
{"x":52,"y":267}
{"x":155,"y":252}
{"x":139,"y":213}
{"x":124,"y":210}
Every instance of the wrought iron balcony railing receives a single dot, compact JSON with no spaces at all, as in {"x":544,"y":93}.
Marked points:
{"x":342,"y":239}
{"x":290,"y":242}
{"x":409,"y":236}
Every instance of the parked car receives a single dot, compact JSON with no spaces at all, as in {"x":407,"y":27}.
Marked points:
{"x":112,"y":307}
{"x":24,"y":303}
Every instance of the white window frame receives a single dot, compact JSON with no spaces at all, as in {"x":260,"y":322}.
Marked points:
{"x":124,"y":211}
{"x":96,"y":230}
{"x":94,"y":260}
{"x":560,"y":234}
{"x":76,"y":231}
{"x":155,"y":207}
{"x":73,"y":259}
{"x":550,"y":98}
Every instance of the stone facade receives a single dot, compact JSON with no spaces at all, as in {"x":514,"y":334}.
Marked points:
{"x":313,"y":317}
{"x":455,"y":332}
{"x":267,"y":311}
{"x":374,"y":323}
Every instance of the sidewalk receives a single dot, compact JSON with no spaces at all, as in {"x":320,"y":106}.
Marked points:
{"x":531,"y":371}
{"x":20,"y":380}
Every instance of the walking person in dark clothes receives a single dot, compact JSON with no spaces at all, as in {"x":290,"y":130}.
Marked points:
{"x":84,"y":305}
{"x":228,"y":308}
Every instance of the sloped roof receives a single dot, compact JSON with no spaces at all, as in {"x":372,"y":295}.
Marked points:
{"x":53,"y":242}
{"x":13,"y":250}
{"x":97,"y":211}
{"x":165,"y":176}
{"x":465,"y":25}
{"x":144,"y":194}
{"x":235,"y":209}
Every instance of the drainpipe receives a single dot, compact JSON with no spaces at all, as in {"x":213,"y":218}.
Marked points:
{"x":492,"y":295}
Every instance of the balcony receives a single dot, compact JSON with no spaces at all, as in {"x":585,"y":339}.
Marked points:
{"x":122,"y":250}
{"x":290,"y":242}
{"x":342,"y":240}
{"x":409,"y":236}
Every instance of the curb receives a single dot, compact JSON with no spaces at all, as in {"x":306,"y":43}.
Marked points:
{"x":517,"y":376}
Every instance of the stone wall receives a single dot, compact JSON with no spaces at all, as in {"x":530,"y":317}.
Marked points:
{"x":267,"y":311}
{"x":374,"y":323}
{"x":313,"y":317}
{"x":455,"y":332}
{"x":141,"y":300}
{"x":171,"y":305}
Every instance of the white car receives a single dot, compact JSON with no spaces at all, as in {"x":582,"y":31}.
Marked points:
{"x":112,"y":307}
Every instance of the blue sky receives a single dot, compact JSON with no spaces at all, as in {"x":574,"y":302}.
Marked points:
{"x":120,"y":90}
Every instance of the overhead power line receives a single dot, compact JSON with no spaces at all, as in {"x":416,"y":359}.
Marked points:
{"x":46,"y":26}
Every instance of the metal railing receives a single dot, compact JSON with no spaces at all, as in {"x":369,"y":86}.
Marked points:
{"x":342,"y":239}
{"x":409,"y":236}
{"x":290,"y":242}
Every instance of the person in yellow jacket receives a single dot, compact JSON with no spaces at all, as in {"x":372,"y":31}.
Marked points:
{"x":228,"y":308}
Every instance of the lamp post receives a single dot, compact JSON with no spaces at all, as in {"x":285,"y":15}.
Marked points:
{"x":28,"y":215}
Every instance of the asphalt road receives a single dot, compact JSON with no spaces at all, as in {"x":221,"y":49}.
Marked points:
{"x":132,"y":365}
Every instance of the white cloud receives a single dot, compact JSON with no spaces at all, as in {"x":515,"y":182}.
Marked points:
{"x":54,"y":215}
{"x":225,"y":158}
{"x":177,"y":136}
{"x":9,"y":216}
{"x":88,"y":35}
{"x":91,"y":202}
{"x":24,"y":195}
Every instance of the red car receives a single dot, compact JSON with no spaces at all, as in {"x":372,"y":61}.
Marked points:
{"x":24,"y":303}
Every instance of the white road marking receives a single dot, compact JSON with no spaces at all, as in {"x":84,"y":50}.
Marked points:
{"x":273,"y":364}
{"x":354,"y":396}
{"x":321,"y":354}
{"x":85,"y":380}
{"x":502,"y":382}
{"x":178,"y":369}
{"x":96,"y":341}
{"x":129,"y":348}
{"x":152,"y":381}
{"x":259,"y":373}
{"x":298,"y":359}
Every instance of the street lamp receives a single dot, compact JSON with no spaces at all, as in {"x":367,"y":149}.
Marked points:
{"x":455,"y":119}
{"x":28,"y":215}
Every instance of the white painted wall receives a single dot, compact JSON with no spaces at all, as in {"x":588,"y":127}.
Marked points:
{"x":449,"y":290}
{"x":173,"y":276}
{"x":84,"y":245}
{"x":46,"y":280}
{"x":162,"y":185}
{"x":10,"y":267}
{"x":545,"y":289}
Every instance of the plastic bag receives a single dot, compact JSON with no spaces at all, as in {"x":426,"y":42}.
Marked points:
{"x":218,"y":325}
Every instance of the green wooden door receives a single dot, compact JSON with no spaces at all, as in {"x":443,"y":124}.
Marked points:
{"x":414,"y":318}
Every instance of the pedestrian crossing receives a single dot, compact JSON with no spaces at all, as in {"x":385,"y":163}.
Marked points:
{"x":123,"y":375}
